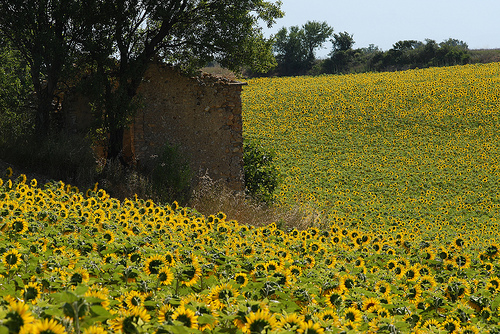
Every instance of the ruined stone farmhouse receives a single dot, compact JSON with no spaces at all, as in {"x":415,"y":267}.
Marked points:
{"x":202,"y":116}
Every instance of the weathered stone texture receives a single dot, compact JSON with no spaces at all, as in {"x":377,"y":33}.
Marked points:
{"x":201,"y":115}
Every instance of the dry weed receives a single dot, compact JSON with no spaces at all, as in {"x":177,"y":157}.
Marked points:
{"x":210,"y":197}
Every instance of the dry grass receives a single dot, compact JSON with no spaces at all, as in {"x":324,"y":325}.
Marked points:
{"x":210,"y":197}
{"x":485,"y":56}
{"x":220,"y":72}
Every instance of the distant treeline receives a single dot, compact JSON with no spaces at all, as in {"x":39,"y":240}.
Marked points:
{"x":295,"y":47}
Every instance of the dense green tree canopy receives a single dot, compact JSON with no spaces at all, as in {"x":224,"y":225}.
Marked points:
{"x":114,"y":40}
{"x":294,"y":47}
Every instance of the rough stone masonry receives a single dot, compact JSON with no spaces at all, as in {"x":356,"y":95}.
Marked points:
{"x":202,"y":116}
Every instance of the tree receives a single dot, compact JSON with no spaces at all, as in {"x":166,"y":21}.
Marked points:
{"x":15,"y":93}
{"x":43,"y":32}
{"x":294,"y":47}
{"x":341,"y":55}
{"x":115,"y":40}
{"x":186,"y":33}
{"x":315,"y":34}
{"x":291,"y":53}
{"x":342,"y":42}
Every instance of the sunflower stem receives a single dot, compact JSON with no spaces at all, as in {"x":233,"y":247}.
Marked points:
{"x":76,"y":320}
{"x":177,"y":286}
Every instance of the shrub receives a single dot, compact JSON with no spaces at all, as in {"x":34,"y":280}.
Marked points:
{"x":261,"y":175}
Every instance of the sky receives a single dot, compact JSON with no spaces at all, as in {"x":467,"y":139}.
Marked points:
{"x":385,"y":22}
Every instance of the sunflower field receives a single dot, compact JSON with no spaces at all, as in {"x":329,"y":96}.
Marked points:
{"x":419,"y":145}
{"x":403,"y":168}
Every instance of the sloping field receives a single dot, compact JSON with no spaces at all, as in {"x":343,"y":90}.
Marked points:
{"x":404,"y":167}
{"x":419,"y":146}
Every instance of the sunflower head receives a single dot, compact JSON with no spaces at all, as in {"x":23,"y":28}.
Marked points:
{"x":31,"y":292}
{"x":257,"y":322}
{"x":18,"y":316}
{"x":186,"y":316}
{"x":11,"y":259}
{"x":48,"y":326}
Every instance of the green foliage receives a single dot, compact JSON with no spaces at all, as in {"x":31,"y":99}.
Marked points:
{"x":112,"y":42}
{"x":261,"y":175}
{"x":15,"y":88}
{"x":44,"y":32}
{"x":171,"y":176}
{"x":294,"y":47}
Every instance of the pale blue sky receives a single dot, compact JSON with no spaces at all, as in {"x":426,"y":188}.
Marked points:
{"x":385,"y":22}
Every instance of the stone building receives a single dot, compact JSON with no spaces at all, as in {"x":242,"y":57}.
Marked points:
{"x":202,"y":116}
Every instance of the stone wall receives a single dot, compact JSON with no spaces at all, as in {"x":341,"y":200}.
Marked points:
{"x":201,"y":116}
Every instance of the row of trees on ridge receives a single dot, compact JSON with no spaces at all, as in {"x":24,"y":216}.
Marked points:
{"x":295,"y":48}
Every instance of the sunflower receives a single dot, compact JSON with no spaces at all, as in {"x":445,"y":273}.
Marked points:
{"x":241,"y":279}
{"x":470,"y":329}
{"x":9,"y":172}
{"x":377,"y":247}
{"x":336,"y":239}
{"x":154,"y":263}
{"x":295,"y":270}
{"x":412,"y":274}
{"x":427,"y":283}
{"x":347,"y":282}
{"x":190,"y":274}
{"x":79,"y":275}
{"x":134,"y":299}
{"x":352,"y":317}
{"x":493,"y":284}
{"x":452,"y":326}
{"x":18,"y":317}
{"x":457,"y":289}
{"x":330,"y":261}
{"x":413,"y":294}
{"x":309,"y":261}
{"x":31,"y":292}
{"x":257,"y":322}
{"x":428,"y":254}
{"x":335,"y":299}
{"x":11,"y":259}
{"x":493,"y":250}
{"x":272,"y":266}
{"x":284,"y":254}
{"x":48,"y":326}
{"x":128,"y":320}
{"x":489,"y":267}
{"x":381,"y":312}
{"x":18,"y":226}
{"x":291,"y":322}
{"x":462,"y":261}
{"x":109,"y":259}
{"x":383,"y":288}
{"x":370,"y":304}
{"x":222,"y":295}
{"x":165,"y":276}
{"x":311,"y":327}
{"x":432,"y":324}
{"x":186,"y":316}
{"x":94,"y":330}
{"x":329,"y":317}
{"x":165,"y":313}
{"x":99,"y":292}
{"x":108,"y":236}
{"x":209,"y":315}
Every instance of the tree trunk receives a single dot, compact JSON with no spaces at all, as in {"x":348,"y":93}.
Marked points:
{"x":115,"y":145}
